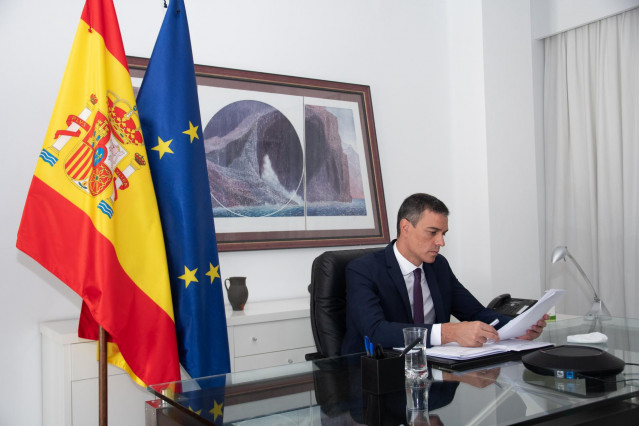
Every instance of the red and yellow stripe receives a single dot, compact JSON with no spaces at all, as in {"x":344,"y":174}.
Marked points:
{"x":116,"y":264}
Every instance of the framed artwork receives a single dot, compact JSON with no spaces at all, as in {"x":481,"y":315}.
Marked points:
{"x":292,"y":162}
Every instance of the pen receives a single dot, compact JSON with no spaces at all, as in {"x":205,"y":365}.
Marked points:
{"x":379,"y":352}
{"x":492,"y":324}
{"x":409,"y":347}
{"x":367,"y":344}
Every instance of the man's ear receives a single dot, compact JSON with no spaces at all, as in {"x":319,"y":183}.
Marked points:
{"x":403,"y":225}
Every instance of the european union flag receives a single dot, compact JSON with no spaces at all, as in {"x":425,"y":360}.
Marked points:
{"x":171,"y":124}
{"x":205,"y":397}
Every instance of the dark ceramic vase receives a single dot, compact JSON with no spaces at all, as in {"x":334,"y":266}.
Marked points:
{"x":237,"y":292}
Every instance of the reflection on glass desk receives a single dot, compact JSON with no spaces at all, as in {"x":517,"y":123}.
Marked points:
{"x":328,"y":392}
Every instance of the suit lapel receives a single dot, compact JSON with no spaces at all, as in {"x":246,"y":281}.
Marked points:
{"x":398,"y":279}
{"x":433,"y":286}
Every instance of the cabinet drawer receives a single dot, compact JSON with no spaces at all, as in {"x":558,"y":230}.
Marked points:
{"x":259,"y":338}
{"x":272,"y":359}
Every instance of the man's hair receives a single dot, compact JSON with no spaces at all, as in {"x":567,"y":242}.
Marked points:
{"x":413,"y":207}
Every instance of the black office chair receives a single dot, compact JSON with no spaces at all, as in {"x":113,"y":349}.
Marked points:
{"x":328,"y":300}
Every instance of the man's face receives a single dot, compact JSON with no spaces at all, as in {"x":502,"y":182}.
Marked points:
{"x":421,"y":243}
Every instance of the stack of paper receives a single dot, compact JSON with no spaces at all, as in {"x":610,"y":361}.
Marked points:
{"x":508,"y":334}
{"x":454,"y":351}
{"x":517,"y":326}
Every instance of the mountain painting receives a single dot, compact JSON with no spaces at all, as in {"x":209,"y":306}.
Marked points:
{"x":291,"y":162}
{"x":259,"y":166}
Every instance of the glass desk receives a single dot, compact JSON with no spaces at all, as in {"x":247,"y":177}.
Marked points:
{"x":328,"y":392}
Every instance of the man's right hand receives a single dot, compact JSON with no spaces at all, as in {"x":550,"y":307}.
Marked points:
{"x":471,"y":334}
{"x":477,"y":378}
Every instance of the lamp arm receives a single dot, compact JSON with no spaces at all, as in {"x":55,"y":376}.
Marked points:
{"x":583,"y":274}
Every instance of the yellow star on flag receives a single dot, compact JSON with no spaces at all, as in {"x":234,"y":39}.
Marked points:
{"x":216,"y":410}
{"x":163,"y":147}
{"x":213,"y":272}
{"x":192,"y":132}
{"x":189,"y":276}
{"x":198,"y":412}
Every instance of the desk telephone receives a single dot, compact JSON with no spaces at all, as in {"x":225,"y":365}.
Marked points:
{"x":506,"y":305}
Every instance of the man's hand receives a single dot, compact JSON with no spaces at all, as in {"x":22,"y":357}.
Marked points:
{"x":478,"y":378}
{"x":535,"y":330}
{"x":471,"y":334}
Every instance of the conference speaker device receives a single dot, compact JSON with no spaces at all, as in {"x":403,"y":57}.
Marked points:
{"x":573,"y":362}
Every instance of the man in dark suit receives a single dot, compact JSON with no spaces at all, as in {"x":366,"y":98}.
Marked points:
{"x":381,"y":290}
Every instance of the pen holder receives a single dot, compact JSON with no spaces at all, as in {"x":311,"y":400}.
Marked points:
{"x":384,"y":375}
{"x":388,"y":409}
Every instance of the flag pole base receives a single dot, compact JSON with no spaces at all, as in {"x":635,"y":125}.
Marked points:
{"x":102,"y":361}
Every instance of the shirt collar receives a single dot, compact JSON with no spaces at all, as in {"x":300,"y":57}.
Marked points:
{"x":405,"y":265}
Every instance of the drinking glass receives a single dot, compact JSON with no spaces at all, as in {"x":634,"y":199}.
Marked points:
{"x":415,"y":365}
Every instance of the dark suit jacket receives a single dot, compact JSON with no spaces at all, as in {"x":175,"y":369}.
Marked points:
{"x":377,"y":303}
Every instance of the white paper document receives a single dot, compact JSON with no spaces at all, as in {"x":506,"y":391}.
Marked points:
{"x":518,"y":325}
{"x":454,"y":351}
{"x":507,"y":334}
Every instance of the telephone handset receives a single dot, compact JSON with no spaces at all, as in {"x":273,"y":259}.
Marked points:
{"x":506,"y":305}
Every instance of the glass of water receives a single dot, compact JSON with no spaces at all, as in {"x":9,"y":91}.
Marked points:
{"x":415,"y":365}
{"x":417,"y":402}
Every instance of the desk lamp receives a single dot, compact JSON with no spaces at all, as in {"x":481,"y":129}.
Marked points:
{"x":598,"y":309}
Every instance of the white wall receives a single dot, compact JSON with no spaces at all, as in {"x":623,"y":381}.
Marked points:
{"x":435,"y":77}
{"x":512,"y":173}
{"x":469,"y":235}
{"x":550,"y":17}
{"x":495,"y":228}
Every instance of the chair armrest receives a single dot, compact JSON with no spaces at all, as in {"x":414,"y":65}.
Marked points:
{"x":313,"y":356}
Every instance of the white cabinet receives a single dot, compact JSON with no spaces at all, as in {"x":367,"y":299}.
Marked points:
{"x":70,"y":382}
{"x":264,"y":334}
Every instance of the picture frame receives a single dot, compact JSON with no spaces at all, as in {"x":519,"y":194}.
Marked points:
{"x":292,"y":161}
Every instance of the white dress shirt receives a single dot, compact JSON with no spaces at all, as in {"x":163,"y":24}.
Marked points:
{"x":407,"y":269}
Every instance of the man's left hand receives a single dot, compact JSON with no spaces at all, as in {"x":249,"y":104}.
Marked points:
{"x":535,"y":330}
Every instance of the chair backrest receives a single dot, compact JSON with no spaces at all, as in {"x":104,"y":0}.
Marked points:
{"x":328,"y":298}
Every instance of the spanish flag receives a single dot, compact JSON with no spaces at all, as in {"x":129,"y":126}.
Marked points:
{"x":91,"y":216}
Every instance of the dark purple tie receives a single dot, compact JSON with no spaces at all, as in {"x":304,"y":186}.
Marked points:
{"x":418,"y":299}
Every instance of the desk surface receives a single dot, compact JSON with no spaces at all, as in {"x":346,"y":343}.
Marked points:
{"x":329,"y":391}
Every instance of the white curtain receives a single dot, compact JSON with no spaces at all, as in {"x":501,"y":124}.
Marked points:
{"x":591,"y":122}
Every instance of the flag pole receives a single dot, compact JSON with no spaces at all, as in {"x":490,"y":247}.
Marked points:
{"x":102,"y":359}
